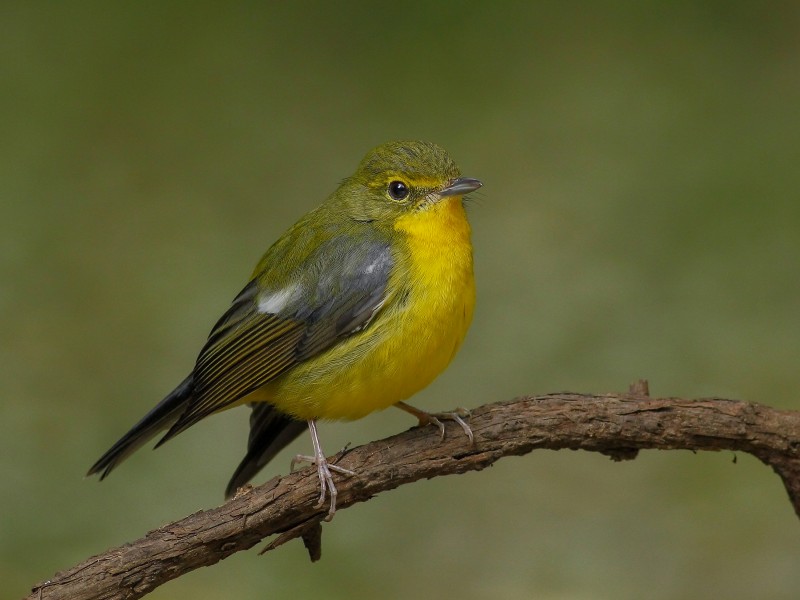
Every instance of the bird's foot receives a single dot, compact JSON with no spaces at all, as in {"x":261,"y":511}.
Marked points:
{"x":324,"y":468}
{"x":425,"y":418}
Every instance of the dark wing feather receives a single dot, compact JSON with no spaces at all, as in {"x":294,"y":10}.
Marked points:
{"x":243,"y":352}
{"x":335,"y":292}
{"x":161,"y":417}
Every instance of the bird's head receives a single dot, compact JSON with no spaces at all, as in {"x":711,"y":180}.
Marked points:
{"x":402,"y":179}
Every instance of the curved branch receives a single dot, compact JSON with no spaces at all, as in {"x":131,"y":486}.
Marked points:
{"x":617,"y":425}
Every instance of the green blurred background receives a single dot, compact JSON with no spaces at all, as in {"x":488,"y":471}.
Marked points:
{"x":640,"y":218}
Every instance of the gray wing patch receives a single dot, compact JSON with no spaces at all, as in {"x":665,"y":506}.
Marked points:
{"x":346,"y":303}
{"x":337,"y":291}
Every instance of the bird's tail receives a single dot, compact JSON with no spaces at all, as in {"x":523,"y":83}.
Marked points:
{"x":270,"y":432}
{"x":160,"y":418}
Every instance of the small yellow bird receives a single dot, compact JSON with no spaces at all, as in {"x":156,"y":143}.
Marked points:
{"x":358,"y":306}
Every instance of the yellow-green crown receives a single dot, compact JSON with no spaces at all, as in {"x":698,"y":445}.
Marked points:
{"x":418,"y":160}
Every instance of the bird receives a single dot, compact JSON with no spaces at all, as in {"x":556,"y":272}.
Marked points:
{"x":355,"y":308}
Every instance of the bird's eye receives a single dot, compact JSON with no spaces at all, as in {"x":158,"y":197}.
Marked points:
{"x":398,"y":190}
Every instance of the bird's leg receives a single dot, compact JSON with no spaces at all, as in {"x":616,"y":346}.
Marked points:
{"x":426,"y":418}
{"x":323,"y":470}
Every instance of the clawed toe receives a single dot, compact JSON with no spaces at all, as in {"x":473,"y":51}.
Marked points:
{"x":425,"y":418}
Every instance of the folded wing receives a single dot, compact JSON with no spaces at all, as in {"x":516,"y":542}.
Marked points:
{"x":334,"y":293}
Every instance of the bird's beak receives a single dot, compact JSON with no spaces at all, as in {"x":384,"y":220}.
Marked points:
{"x":460,"y":186}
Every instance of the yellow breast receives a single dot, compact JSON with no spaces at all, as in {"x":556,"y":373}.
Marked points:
{"x":411,"y":340}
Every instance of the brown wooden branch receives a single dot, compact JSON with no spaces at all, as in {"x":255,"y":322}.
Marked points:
{"x":616,"y":425}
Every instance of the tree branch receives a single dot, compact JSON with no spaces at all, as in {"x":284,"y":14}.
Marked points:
{"x":616,"y":425}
